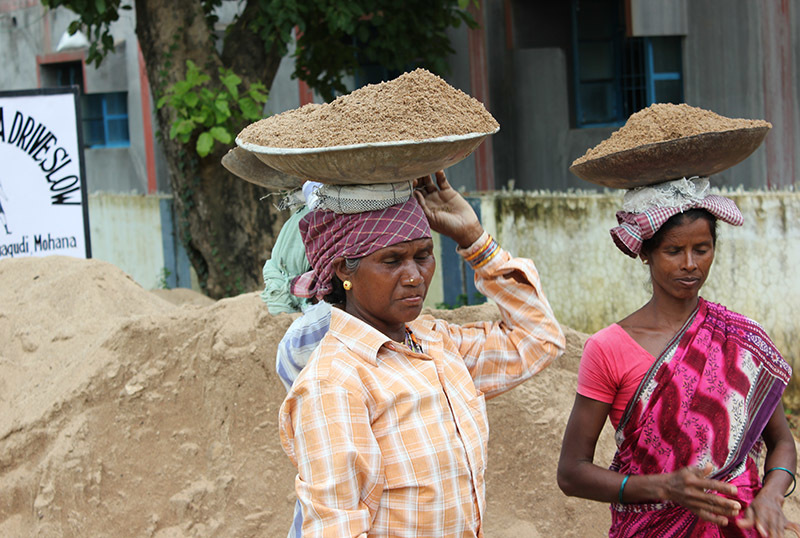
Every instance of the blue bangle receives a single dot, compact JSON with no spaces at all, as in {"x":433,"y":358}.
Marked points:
{"x":622,"y":487}
{"x":794,"y":480}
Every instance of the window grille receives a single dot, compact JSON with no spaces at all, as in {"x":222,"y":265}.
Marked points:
{"x":616,"y":75}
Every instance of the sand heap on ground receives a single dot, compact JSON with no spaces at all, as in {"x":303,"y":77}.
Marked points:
{"x":125,"y":414}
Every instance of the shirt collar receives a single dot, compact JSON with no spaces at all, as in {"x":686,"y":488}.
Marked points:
{"x":367,"y":341}
{"x":361,"y":338}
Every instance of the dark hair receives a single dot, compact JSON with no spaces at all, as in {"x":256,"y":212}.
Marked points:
{"x":337,"y":295}
{"x":690,"y":215}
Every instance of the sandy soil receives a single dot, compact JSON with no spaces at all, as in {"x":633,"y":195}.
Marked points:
{"x":125,"y":412}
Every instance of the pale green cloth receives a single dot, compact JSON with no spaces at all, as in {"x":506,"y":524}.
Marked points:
{"x":288,"y":260}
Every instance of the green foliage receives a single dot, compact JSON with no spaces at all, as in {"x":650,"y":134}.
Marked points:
{"x":215,"y":111}
{"x":163,"y":277}
{"x":95,"y":16}
{"x":337,"y":36}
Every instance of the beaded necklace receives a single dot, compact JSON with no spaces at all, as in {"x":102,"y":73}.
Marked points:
{"x":412,"y":342}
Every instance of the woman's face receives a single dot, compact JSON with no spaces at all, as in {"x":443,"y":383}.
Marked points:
{"x":680,"y":265}
{"x":390,"y":285}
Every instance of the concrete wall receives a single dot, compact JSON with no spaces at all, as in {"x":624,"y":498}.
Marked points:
{"x":21,"y":31}
{"x":731,"y":80}
{"x":459,"y":77}
{"x":112,"y":170}
{"x":126,"y":231}
{"x":658,"y":17}
{"x":135,"y":233}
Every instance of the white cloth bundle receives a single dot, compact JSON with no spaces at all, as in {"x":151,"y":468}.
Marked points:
{"x":684,"y":192}
{"x":349,"y":199}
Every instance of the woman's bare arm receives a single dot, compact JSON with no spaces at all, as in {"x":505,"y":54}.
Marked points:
{"x":578,"y":476}
{"x":765,"y":513}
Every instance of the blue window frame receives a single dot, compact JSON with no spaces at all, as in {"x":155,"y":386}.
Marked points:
{"x":105,"y":120}
{"x":616,"y":75}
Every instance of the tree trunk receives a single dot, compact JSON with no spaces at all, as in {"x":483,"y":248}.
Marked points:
{"x":227,"y":230}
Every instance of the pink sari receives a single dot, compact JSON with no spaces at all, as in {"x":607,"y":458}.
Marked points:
{"x":707,"y":398}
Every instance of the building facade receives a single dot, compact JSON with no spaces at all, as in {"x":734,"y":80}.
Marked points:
{"x":559,"y":77}
{"x":564,"y":75}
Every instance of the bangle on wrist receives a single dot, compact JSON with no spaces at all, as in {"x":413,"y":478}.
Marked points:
{"x":794,"y":479}
{"x":486,"y":252}
{"x":622,"y":488}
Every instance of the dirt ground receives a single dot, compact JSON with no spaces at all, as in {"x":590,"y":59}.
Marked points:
{"x":126,"y":412}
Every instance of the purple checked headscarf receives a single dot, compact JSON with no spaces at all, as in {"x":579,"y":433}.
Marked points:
{"x":328,"y":235}
{"x":646,"y":209}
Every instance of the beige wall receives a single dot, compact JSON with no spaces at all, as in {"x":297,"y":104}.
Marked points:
{"x":591,"y":284}
{"x":126,"y":231}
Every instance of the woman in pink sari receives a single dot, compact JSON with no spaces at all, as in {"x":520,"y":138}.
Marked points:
{"x":693,"y":390}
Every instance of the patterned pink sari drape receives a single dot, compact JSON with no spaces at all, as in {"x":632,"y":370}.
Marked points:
{"x":706,"y":399}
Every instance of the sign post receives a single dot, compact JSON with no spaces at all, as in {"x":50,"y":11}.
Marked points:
{"x":44,"y":208}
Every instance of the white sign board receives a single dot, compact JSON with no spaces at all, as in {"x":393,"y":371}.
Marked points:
{"x":43,"y":203}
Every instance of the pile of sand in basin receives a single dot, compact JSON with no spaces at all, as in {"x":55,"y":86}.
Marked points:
{"x":125,"y":412}
{"x":414,"y":106}
{"x":660,"y":122}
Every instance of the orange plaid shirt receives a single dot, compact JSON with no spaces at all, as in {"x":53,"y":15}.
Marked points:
{"x":388,"y":442}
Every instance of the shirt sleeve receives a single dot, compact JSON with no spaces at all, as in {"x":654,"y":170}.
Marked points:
{"x":595,"y":379}
{"x":501,"y":355}
{"x":325,"y":431}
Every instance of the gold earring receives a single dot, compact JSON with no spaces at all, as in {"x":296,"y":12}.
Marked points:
{"x":645,"y":262}
{"x":347,"y":285}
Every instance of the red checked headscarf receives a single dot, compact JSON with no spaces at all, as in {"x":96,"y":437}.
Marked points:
{"x":655,"y":205}
{"x":328,"y":235}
